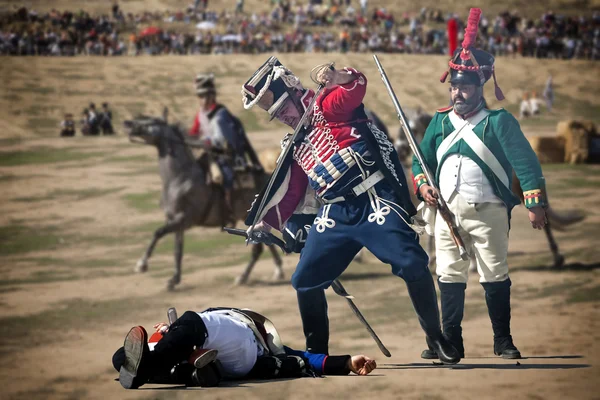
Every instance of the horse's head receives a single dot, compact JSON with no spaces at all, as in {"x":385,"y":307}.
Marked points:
{"x":146,"y":130}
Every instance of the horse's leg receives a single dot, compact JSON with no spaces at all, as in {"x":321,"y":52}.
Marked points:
{"x":176,"y":278}
{"x":257,"y":250}
{"x":559,"y":260}
{"x":170,"y":226}
{"x":278,"y":273}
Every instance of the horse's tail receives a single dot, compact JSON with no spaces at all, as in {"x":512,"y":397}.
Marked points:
{"x":560,"y":220}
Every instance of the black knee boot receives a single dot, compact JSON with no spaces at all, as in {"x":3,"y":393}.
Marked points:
{"x":313,"y":311}
{"x":453,"y":306}
{"x":497,"y":297}
{"x":424,"y":299}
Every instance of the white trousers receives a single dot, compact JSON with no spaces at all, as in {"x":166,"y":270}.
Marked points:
{"x":484,"y":230}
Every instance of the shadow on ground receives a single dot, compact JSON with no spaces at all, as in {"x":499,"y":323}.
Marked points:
{"x":567,"y":267}
{"x":222,"y":384}
{"x":516,"y":366}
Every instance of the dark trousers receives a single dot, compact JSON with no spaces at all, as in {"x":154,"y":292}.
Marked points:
{"x":338,"y":233}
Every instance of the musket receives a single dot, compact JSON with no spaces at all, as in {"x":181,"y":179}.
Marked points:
{"x":288,"y":147}
{"x":441,"y":203}
{"x":269,"y":239}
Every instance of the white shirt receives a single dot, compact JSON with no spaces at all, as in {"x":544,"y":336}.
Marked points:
{"x":235,"y":342}
{"x":461,"y":174}
{"x":213,"y":128}
{"x":534,"y":105}
{"x":525,"y":109}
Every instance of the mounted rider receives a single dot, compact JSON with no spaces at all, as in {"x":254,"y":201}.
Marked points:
{"x":223,"y":135}
{"x":345,"y":172}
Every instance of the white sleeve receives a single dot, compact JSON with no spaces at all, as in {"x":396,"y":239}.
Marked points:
{"x":218,"y":138}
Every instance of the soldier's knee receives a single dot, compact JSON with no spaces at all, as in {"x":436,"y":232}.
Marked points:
{"x":297,"y":280}
{"x":412,"y":268}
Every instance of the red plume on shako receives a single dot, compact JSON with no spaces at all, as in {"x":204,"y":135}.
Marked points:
{"x":470,"y":65}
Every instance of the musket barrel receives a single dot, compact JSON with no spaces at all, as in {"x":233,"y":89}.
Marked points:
{"x":442,"y":206}
{"x":409,"y":135}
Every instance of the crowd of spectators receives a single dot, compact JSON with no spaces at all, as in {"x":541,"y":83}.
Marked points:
{"x":290,"y":26}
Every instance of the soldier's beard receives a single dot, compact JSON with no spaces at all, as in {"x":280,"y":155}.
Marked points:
{"x":464,"y":106}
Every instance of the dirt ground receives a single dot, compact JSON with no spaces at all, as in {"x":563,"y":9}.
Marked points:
{"x":67,"y":304}
{"x":76,"y":215}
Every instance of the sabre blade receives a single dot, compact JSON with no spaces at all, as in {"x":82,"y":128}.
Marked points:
{"x":339,"y":289}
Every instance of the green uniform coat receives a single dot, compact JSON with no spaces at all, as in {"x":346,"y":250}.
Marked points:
{"x":502,"y":135}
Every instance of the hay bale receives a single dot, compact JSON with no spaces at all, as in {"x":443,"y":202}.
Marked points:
{"x":577,"y":136}
{"x":549,"y":149}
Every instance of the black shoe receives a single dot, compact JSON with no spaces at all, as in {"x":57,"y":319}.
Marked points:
{"x":506,"y":348}
{"x":131,"y":374}
{"x":429,"y":354}
{"x":447,"y":354}
{"x":207,"y":376}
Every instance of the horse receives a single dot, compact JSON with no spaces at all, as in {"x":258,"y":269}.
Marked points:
{"x":188,"y":198}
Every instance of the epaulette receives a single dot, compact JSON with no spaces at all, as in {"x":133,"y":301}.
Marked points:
{"x":444,"y":109}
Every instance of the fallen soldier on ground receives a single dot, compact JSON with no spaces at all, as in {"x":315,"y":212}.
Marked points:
{"x":201,"y":349}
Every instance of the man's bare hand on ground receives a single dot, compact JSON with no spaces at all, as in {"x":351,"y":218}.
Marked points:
{"x":429,"y":195}
{"x":361,"y":365}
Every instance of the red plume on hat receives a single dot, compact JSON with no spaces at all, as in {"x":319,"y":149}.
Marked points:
{"x":470,"y":32}
{"x":467,"y":62}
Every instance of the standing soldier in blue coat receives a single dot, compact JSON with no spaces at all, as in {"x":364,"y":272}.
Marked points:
{"x":344,"y":170}
{"x":473,"y":152}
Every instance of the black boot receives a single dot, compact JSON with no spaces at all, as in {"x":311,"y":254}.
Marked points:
{"x":453,"y":306}
{"x":313,"y":311}
{"x":497,"y":297}
{"x":424,"y":299}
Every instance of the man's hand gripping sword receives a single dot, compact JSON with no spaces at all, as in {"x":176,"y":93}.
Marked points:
{"x":441,"y":204}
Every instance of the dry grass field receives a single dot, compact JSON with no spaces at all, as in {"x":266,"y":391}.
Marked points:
{"x":76,"y":214}
{"x":36,"y":92}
